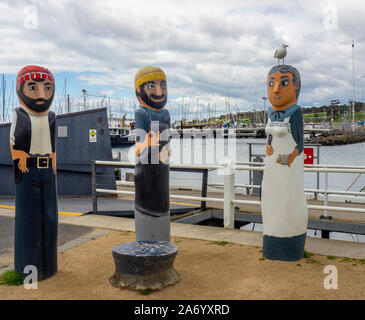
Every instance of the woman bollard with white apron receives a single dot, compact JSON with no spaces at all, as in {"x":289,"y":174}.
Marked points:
{"x":283,"y":203}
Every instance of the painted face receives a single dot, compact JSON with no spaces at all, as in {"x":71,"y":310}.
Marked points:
{"x":37,"y":94}
{"x":154,"y":93}
{"x":281,"y":90}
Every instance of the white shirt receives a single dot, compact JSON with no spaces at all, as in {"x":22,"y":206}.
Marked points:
{"x":40,"y":137}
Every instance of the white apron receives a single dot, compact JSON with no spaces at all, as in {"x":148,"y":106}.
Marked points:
{"x":283,"y":203}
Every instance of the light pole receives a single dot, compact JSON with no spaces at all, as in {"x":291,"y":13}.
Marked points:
{"x":353,"y":85}
{"x":264,"y":98}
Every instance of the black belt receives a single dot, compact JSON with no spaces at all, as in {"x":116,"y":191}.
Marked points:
{"x":39,"y":162}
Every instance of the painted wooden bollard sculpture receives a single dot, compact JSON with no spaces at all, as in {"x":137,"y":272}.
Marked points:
{"x":283,"y":204}
{"x":148,"y":262}
{"x":152,"y":212}
{"x":32,"y":144}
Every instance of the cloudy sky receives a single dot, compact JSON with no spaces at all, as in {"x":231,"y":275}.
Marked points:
{"x":209,"y":49}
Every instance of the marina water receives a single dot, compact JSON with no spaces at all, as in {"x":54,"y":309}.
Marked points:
{"x":351,"y":154}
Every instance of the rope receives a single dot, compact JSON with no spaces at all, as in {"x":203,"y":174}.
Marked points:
{"x":354,"y":182}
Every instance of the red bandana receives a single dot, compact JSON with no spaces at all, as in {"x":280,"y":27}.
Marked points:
{"x":34,"y":72}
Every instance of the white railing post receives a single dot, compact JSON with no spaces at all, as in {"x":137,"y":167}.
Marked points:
{"x":228,"y":216}
{"x":325,"y":194}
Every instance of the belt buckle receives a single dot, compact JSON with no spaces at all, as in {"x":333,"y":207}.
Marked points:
{"x":42,"y":162}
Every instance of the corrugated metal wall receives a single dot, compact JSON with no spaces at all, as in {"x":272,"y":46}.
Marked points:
{"x":76,"y":147}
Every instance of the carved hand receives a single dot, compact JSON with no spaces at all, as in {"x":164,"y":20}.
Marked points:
{"x":292,"y":156}
{"x":151,"y":139}
{"x":22,"y":156}
{"x":269,"y":150}
{"x":53,"y":157}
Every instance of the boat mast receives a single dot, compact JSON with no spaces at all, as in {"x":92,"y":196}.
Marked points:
{"x":84,"y":96}
{"x":3,"y":98}
{"x":353,"y":85}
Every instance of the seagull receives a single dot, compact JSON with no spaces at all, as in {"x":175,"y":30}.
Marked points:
{"x":281,"y":52}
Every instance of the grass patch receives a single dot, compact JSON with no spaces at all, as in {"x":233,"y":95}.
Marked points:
{"x":299,"y":265}
{"x":145,"y":292}
{"x":331,"y":257}
{"x":261,"y":259}
{"x":313,"y":261}
{"x":177,"y":241}
{"x":221,"y":243}
{"x":307,"y":254}
{"x":362,"y":261}
{"x":354,"y":265}
{"x":345,"y":259}
{"x":11,"y":278}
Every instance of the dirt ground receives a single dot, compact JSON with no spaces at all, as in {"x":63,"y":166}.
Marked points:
{"x":207,"y":270}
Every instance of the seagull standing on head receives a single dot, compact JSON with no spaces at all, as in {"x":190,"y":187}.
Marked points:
{"x":281,"y":52}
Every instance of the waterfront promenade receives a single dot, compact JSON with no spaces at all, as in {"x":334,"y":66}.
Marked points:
{"x":214,"y":263}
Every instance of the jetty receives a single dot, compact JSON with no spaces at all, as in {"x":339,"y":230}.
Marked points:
{"x":238,"y":132}
{"x":337,"y":137}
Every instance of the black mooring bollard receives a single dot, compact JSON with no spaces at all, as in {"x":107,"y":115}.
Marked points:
{"x":144,"y":265}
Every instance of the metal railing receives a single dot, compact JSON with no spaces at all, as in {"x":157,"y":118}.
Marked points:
{"x":229,"y":200}
{"x":185,"y":168}
{"x":252,"y":155}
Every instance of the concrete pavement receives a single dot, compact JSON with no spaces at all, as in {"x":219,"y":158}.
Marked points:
{"x":252,"y":238}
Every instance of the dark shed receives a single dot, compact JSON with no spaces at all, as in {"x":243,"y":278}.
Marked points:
{"x":81,"y":138}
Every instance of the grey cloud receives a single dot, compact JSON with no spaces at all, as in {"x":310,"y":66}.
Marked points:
{"x":205,"y":48}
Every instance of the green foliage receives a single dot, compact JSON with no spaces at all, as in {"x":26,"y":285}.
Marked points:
{"x":307,"y":254}
{"x":345,"y":259}
{"x":331,"y":257}
{"x":313,"y":261}
{"x":261,"y":259}
{"x":221,"y":243}
{"x":299,"y":265}
{"x":145,"y":292}
{"x":11,"y":278}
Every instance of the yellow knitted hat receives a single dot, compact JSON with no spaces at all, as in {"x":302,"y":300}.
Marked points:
{"x":147,"y":74}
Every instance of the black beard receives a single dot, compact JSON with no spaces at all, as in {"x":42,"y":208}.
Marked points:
{"x":156,"y":105}
{"x":32,"y":103}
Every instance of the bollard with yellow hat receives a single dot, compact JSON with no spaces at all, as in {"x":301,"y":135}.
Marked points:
{"x":152,"y":214}
{"x":147,"y":263}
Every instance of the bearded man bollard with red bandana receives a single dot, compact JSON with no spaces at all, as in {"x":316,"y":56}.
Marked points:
{"x":32,"y":144}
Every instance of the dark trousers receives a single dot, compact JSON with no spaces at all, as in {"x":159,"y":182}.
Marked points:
{"x":36,"y":222}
